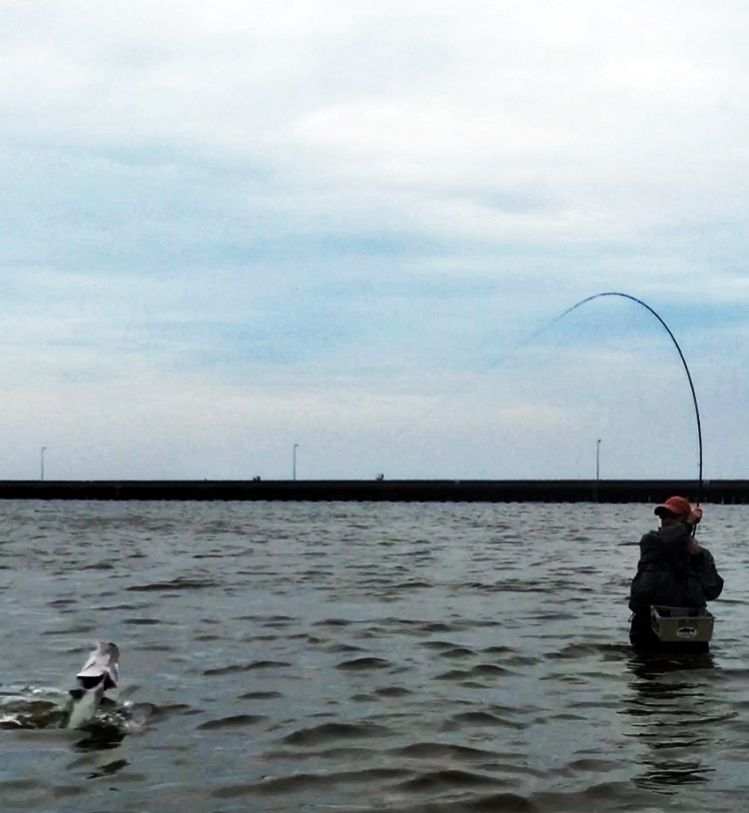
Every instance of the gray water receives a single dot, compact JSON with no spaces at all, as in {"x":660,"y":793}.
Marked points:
{"x":343,"y":656}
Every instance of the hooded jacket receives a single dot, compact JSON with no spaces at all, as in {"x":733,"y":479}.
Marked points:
{"x":667,"y":574}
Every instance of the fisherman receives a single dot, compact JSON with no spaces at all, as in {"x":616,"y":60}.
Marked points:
{"x":674,"y":570}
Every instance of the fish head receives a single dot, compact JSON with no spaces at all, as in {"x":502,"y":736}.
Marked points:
{"x":101,"y":669}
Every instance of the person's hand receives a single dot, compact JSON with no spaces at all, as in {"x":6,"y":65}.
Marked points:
{"x":695,"y":516}
{"x":693,"y":547}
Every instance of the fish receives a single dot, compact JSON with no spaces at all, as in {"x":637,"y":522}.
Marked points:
{"x":99,"y":674}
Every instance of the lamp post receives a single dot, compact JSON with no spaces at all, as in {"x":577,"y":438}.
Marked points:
{"x":598,"y":459}
{"x":293,"y":461}
{"x":44,"y":449}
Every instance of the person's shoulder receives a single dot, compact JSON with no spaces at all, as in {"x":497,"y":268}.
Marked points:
{"x":649,"y":538}
{"x":650,"y":544}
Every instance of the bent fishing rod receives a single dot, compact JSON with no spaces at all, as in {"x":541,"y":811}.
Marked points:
{"x":678,"y":350}
{"x":569,"y":310}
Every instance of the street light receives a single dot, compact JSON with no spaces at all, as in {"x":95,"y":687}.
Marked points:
{"x":598,"y":459}
{"x":293,"y":461}
{"x":44,"y":449}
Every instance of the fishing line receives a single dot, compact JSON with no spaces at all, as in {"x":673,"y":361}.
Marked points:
{"x":541,"y":330}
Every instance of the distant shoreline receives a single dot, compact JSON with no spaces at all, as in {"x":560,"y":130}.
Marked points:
{"x":714,"y":491}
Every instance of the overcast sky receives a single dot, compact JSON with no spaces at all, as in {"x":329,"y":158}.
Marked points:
{"x":230,"y":227}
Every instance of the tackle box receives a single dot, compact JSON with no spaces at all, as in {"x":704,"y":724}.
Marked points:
{"x":682,"y":623}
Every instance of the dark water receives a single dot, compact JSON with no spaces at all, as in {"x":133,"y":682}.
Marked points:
{"x":361,"y":657}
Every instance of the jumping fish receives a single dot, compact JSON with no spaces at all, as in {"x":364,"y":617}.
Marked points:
{"x":98,"y":675}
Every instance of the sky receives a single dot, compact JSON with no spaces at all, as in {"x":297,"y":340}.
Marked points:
{"x":228,"y":228}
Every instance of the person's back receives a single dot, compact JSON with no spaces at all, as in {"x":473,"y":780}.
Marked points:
{"x":673,"y":570}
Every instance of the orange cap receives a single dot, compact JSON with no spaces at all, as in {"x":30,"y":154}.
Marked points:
{"x":674,"y":505}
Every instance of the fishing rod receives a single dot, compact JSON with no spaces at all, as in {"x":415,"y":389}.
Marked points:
{"x":678,"y":350}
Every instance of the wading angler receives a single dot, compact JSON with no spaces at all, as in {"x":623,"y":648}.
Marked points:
{"x":675,"y":579}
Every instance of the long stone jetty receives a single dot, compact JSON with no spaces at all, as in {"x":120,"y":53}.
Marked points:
{"x":615,"y":491}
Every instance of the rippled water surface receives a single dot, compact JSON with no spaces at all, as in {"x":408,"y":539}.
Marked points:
{"x":336,"y":656}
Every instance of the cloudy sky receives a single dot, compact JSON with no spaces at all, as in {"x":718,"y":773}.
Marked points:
{"x":230,"y":227}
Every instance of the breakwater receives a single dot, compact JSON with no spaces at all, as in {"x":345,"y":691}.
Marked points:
{"x":714,"y":491}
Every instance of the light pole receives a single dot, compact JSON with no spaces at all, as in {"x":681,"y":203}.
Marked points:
{"x":44,"y":449}
{"x":293,"y":461}
{"x":598,"y":459}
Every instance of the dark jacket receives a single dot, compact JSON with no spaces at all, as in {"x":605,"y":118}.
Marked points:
{"x":667,"y":574}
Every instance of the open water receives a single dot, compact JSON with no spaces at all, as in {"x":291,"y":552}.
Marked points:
{"x":361,"y":657}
